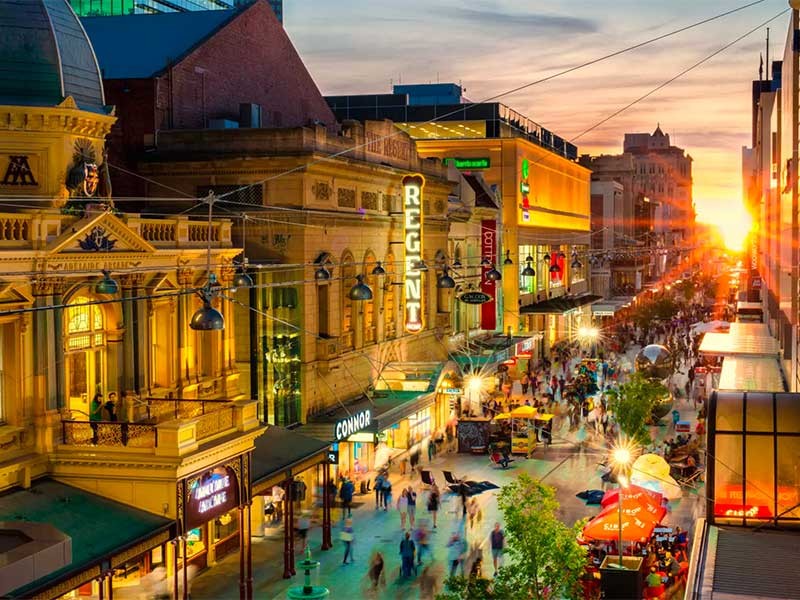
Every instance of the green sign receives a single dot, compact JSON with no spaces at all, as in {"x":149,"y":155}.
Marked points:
{"x":469,"y":163}
{"x":525,"y":168}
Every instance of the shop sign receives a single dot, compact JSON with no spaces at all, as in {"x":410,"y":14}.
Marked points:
{"x":524,"y":349}
{"x":212,"y":494}
{"x":412,"y":208}
{"x":488,"y":250}
{"x":742,"y":510}
{"x":457,"y":391}
{"x":469,"y":163}
{"x":333,"y":456}
{"x":352,"y":424}
{"x":474,"y":298}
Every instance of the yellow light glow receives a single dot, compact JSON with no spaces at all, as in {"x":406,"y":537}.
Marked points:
{"x":621,"y":456}
{"x":474,"y":383}
{"x":733,"y":224}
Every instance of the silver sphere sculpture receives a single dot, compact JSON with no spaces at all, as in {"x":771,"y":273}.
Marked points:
{"x":655,"y":362}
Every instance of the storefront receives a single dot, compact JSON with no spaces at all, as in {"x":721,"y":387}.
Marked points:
{"x":213,"y":516}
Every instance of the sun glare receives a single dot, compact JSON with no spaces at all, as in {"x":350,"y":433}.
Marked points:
{"x":734,"y":225}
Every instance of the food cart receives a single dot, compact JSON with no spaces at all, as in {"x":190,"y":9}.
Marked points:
{"x":544,"y":427}
{"x":523,"y":434}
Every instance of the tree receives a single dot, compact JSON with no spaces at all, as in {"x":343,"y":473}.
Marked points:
{"x":468,"y":588}
{"x":632,"y":404}
{"x":545,"y":559}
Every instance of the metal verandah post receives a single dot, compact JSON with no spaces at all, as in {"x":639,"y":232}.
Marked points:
{"x":288,"y":549}
{"x":326,"y":507}
{"x":242,"y":551}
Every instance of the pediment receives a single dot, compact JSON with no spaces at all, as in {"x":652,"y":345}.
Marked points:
{"x":99,"y":233}
{"x":10,"y":294}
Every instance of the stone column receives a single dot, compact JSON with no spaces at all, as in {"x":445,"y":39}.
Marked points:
{"x":185,"y":280}
{"x":45,"y":356}
{"x":129,"y":335}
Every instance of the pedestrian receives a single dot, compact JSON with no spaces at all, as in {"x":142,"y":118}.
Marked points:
{"x":427,"y":583}
{"x":407,"y":550}
{"x":303,"y":525}
{"x":525,"y":382}
{"x":431,"y":448}
{"x":455,"y":553}
{"x":433,"y":502}
{"x":387,"y":493}
{"x":498,"y":542}
{"x":462,"y":492}
{"x":347,"y":537}
{"x":412,"y":506}
{"x":379,"y":491}
{"x":376,"y":574}
{"x":403,"y":465}
{"x":402,"y":507}
{"x":421,"y":539}
{"x":346,"y":495}
{"x":474,"y":511}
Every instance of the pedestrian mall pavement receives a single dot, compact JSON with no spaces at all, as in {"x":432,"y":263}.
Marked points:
{"x":564,"y":465}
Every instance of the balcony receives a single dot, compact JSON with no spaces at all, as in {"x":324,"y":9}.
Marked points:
{"x":328,"y":348}
{"x":171,"y":427}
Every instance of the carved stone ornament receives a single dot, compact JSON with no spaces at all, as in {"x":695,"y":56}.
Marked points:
{"x":83,"y":179}
{"x":97,"y":240}
{"x":322,"y":191}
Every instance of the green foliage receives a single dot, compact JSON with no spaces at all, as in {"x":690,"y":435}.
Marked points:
{"x":468,"y":588}
{"x":632,"y":404}
{"x":544,"y":557}
{"x":662,"y":308}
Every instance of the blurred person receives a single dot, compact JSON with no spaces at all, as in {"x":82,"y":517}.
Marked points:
{"x":347,"y":537}
{"x":498,"y":543}
{"x":434,"y":501}
{"x":411,"y":496}
{"x":402,"y":508}
{"x":407,"y":551}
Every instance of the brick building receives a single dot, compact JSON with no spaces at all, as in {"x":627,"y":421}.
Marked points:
{"x":193,"y":74}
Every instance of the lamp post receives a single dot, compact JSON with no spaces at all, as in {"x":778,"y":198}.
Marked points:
{"x":621,"y":458}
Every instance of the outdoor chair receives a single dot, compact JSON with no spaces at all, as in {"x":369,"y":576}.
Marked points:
{"x":693,"y":480}
{"x":427,"y":477}
{"x":450,"y":478}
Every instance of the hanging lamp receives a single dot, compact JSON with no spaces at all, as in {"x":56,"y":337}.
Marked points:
{"x":106,"y":285}
{"x":493,"y":274}
{"x":360,"y":291}
{"x":508,"y":260}
{"x":378,"y":269}
{"x":445,"y":282}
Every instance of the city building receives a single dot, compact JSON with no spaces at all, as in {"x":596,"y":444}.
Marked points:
{"x":125,"y":441}
{"x":198,"y":79}
{"x":108,"y":8}
{"x":544,"y":220}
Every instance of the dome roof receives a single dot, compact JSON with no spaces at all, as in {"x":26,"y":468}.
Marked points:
{"x":46,"y":56}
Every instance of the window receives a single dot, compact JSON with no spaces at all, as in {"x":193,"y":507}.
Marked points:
{"x":347,"y":282}
{"x":85,"y":352}
{"x":389,"y":302}
{"x":527,"y":285}
{"x":368,"y":307}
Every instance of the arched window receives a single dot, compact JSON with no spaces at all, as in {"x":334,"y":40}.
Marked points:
{"x":85,"y":349}
{"x":369,"y":306}
{"x":389,"y":301}
{"x":348,"y":280}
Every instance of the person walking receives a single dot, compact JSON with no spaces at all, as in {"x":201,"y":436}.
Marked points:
{"x":376,"y":574}
{"x":462,"y":492}
{"x":431,"y":448}
{"x":379,"y":501}
{"x":347,"y":537}
{"x":407,"y":550}
{"x":525,"y":382}
{"x":455,"y":554}
{"x":421,"y":538}
{"x":402,"y":507}
{"x":387,"y":493}
{"x":474,"y":512}
{"x":434,"y":502}
{"x":346,"y":495}
{"x":498,"y":542}
{"x":412,"y":506}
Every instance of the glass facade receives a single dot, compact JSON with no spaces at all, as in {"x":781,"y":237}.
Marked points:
{"x":754,"y":458}
{"x":106,"y":8}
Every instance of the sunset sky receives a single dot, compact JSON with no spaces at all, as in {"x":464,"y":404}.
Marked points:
{"x":362,"y":46}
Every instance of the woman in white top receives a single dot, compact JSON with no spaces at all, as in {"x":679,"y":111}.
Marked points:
{"x":402,"y":506}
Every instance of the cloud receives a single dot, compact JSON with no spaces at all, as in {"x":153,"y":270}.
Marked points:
{"x":532,"y":22}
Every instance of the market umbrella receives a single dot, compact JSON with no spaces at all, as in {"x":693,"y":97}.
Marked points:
{"x":637,"y":507}
{"x":633,"y":491}
{"x":652,"y":472}
{"x":605,"y":526}
{"x":502,"y":416}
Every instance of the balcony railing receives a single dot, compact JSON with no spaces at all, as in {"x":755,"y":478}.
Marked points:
{"x":212,"y":423}
{"x":164,"y":409}
{"x":109,"y":433}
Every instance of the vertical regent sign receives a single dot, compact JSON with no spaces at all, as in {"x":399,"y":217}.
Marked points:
{"x":412,"y":210}
{"x":488,"y":250}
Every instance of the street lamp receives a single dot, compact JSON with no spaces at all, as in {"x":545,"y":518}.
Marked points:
{"x":622,"y":459}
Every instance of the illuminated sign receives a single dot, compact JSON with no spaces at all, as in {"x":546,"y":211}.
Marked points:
{"x":412,"y":208}
{"x":211,"y":495}
{"x":352,"y":424}
{"x":489,"y":251}
{"x":469,"y":163}
{"x":524,"y":190}
{"x":742,"y":510}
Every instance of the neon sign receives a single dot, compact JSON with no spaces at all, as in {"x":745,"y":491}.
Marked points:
{"x":212,"y":494}
{"x":412,"y":207}
{"x":352,"y":424}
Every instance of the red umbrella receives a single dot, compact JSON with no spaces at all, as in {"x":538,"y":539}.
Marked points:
{"x":637,"y":507}
{"x":633,"y":491}
{"x":605,"y":526}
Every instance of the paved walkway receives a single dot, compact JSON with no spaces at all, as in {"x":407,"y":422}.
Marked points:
{"x":564,"y":466}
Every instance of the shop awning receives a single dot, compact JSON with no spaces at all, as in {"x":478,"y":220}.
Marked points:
{"x":484,"y":197}
{"x":280,"y":454}
{"x":104,"y":534}
{"x":560,"y":305}
{"x":733,"y":343}
{"x":387,"y":408}
{"x":751,"y":374}
{"x":495,"y":349}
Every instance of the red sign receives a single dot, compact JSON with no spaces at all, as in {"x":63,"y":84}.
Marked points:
{"x":488,"y":250}
{"x":510,"y":362}
{"x":737,"y":511}
{"x":557,"y":259}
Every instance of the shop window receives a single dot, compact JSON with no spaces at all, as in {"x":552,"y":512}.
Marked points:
{"x":85,"y":350}
{"x":323,"y":309}
{"x":759,"y":477}
{"x":759,"y":412}
{"x":728,"y":468}
{"x":788,"y":410}
{"x":729,"y":412}
{"x":225,"y":526}
{"x":788,"y":476}
{"x":527,"y":285}
{"x":195,"y":542}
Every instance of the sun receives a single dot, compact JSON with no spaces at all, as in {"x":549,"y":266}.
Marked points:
{"x":734,"y":225}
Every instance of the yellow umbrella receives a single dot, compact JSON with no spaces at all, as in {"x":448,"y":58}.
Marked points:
{"x":523,"y":412}
{"x":502,"y":416}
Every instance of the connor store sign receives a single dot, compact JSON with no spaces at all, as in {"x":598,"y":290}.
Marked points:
{"x":352,"y":424}
{"x":210,"y":495}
